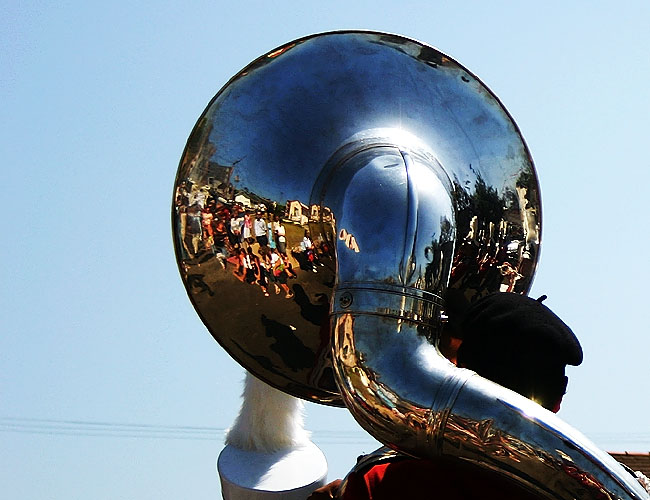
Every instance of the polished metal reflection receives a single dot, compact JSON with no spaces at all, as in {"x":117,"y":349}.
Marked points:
{"x":280,"y":134}
{"x":386,"y":319}
{"x":403,"y":392}
{"x":412,"y":185}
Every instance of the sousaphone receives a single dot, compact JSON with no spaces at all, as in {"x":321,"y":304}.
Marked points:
{"x":401,"y":185}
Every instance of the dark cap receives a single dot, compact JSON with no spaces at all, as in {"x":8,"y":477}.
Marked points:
{"x":514,"y":340}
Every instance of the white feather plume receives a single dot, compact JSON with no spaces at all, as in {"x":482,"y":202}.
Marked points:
{"x":268,"y":421}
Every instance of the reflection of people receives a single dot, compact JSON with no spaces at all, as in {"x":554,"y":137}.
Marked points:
{"x":287,"y":266}
{"x":240,"y":271}
{"x":182,"y":196}
{"x":259,"y":228}
{"x":247,"y":228}
{"x":270,"y":236}
{"x":221,"y":242}
{"x":206,"y":223}
{"x":280,"y":273}
{"x":269,"y":266}
{"x":308,"y":255}
{"x":194,"y":226}
{"x":251,"y":267}
{"x":281,"y":233}
{"x":510,"y":339}
{"x":306,"y":244}
{"x":181,"y":228}
{"x":264,"y":273}
{"x":511,"y":275}
{"x":236,"y":223}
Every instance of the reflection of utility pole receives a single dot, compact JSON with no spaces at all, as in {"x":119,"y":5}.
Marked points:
{"x":235,"y":187}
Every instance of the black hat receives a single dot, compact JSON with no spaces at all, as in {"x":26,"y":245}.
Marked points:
{"x":517,"y":342}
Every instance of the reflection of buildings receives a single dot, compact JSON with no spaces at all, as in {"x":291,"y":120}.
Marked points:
{"x":635,"y":461}
{"x":217,"y":177}
{"x":243,"y":200}
{"x":211,"y":175}
{"x":298,"y":212}
{"x":197,"y":167}
{"x":302,"y":214}
{"x":316,"y":214}
{"x":252,"y":201}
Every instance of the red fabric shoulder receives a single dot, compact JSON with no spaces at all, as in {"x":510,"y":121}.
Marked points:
{"x":412,"y":478}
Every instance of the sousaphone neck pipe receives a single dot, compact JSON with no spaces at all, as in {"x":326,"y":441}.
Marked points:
{"x":385,"y":320}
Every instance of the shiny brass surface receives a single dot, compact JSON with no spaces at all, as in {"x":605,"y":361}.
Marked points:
{"x":414,"y":188}
{"x":290,"y":130}
{"x":403,"y":392}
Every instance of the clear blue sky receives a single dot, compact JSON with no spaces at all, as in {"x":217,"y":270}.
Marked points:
{"x":96,"y":103}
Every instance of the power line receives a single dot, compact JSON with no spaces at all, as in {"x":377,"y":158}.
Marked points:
{"x":43,"y":421}
{"x":107,"y":429}
{"x":86,"y":428}
{"x":54,"y":427}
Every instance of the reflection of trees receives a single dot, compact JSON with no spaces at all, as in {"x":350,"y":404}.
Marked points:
{"x":484,"y":202}
{"x":497,"y":249}
{"x":463,"y":203}
{"x":526,"y":179}
{"x":440,"y":255}
{"x":487,"y":203}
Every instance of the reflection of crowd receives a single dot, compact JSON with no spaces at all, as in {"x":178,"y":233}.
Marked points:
{"x":269,"y":268}
{"x":493,"y":264}
{"x":254,"y":243}
{"x":307,"y":253}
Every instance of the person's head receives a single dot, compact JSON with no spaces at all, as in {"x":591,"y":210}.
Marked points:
{"x":519,"y":343}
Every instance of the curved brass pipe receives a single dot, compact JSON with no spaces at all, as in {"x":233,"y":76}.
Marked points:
{"x":394,"y":380}
{"x":319,"y":133}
